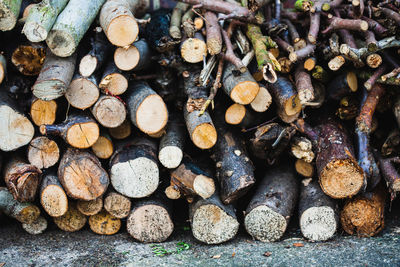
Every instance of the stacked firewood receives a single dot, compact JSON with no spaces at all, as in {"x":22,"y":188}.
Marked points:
{"x":110,"y":111}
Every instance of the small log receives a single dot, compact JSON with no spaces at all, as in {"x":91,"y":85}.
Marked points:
{"x":286,"y":98}
{"x":52,"y":196}
{"x":310,"y":63}
{"x":176,"y":18}
{"x":103,"y":223}
{"x":117,"y":205}
{"x":69,"y":28}
{"x":73,"y":220}
{"x":122,"y":131}
{"x":10,"y":11}
{"x":134,"y":57}
{"x":214,"y":38}
{"x":36,"y":227}
{"x":336,"y":63}
{"x":150,"y":219}
{"x":43,"y":152}
{"x":15,"y":129}
{"x":43,"y":112}
{"x":302,"y":149}
{"x":22,"y":212}
{"x":81,"y":175}
{"x":55,"y":76}
{"x":79,"y":130}
{"x":103,"y":148}
{"x":262,"y":101}
{"x":82,"y":92}
{"x":194,"y":50}
{"x":304,"y":85}
{"x":211,"y":221}
{"x":318,"y":213}
{"x":113,"y":81}
{"x":237,"y":114}
{"x":134,"y":170}
{"x":235,"y":170}
{"x":41,"y":19}
{"x":21,"y":179}
{"x":364,"y":215}
{"x":109,"y":111}
{"x":90,"y":207}
{"x":304,"y":168}
{"x":140,"y":100}
{"x":29,"y":58}
{"x":3,"y":68}
{"x":342,"y":85}
{"x":272,"y":205}
{"x":241,"y":88}
{"x":170,"y":151}
{"x":390,"y":174}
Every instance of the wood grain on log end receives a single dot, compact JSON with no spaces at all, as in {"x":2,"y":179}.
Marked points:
{"x":43,"y":112}
{"x":90,"y":207}
{"x":309,"y":63}
{"x":87,"y":65}
{"x":103,"y":148}
{"x":117,"y":205}
{"x":114,"y":83}
{"x":126,"y":58}
{"x":170,"y":156}
{"x":235,"y":114}
{"x":318,"y":223}
{"x":104,"y":223}
{"x":54,"y":200}
{"x":122,"y":30}
{"x":193,"y":50}
{"x":109,"y":111}
{"x":28,"y":59}
{"x":262,"y":101}
{"x":36,"y":227}
{"x":152,"y":122}
{"x":43,"y":152}
{"x":3,"y":68}
{"x":73,"y":220}
{"x":172,"y":192}
{"x":304,"y":168}
{"x":122,"y":131}
{"x":10,"y":11}
{"x":82,"y":135}
{"x":204,"y":136}
{"x":352,"y":81}
{"x":82,"y":93}
{"x":245,"y":92}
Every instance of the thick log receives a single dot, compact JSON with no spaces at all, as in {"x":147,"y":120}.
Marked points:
{"x":90,"y":207}
{"x":83,"y":92}
{"x":134,"y":57}
{"x":43,"y":112}
{"x":103,"y":148}
{"x":272,"y":205}
{"x":113,"y":81}
{"x":10,"y":11}
{"x":147,"y":109}
{"x":72,"y":220}
{"x":262,"y":101}
{"x":43,"y":152}
{"x":235,"y":170}
{"x":342,"y":85}
{"x":52,"y":196}
{"x":211,"y":221}
{"x":364,"y":215}
{"x":55,"y":76}
{"x":29,"y":58}
{"x":194,"y":50}
{"x":109,"y":111}
{"x":117,"y":205}
{"x":122,"y":131}
{"x":3,"y":68}
{"x":15,"y":129}
{"x":21,"y":179}
{"x":103,"y":223}
{"x":170,"y":150}
{"x":150,"y":219}
{"x":134,"y":170}
{"x":36,"y":227}
{"x":79,"y":130}
{"x":81,"y":175}
{"x":318,"y":213}
{"x":41,"y":19}
{"x":69,"y":28}
{"x":22,"y":212}
{"x":241,"y":88}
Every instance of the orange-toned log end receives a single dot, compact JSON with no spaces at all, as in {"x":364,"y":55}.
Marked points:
{"x":54,"y":200}
{"x":352,"y":81}
{"x":43,"y":112}
{"x":341,"y":178}
{"x":73,"y":220}
{"x":126,"y":58}
{"x":304,"y":168}
{"x":122,"y":30}
{"x":29,"y":59}
{"x":90,"y":207}
{"x":309,"y":64}
{"x":2,"y":72}
{"x":28,"y":214}
{"x":43,"y":152}
{"x":193,"y":50}
{"x":204,"y":136}
{"x":235,"y":114}
{"x":82,"y":135}
{"x":152,"y":115}
{"x":245,"y":92}
{"x":364,"y":215}
{"x":104,"y":223}
{"x":122,"y":131}
{"x":103,"y":148}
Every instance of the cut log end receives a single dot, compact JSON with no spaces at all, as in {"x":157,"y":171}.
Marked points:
{"x":150,"y":223}
{"x":122,"y":31}
{"x":117,"y":205}
{"x":103,"y":148}
{"x":54,"y":200}
{"x":109,"y":111}
{"x":318,"y":223}
{"x":235,"y":114}
{"x":43,"y":112}
{"x":115,"y":84}
{"x":204,"y":136}
{"x":73,"y":220}
{"x":90,"y":207}
{"x":82,"y":93}
{"x":170,"y":156}
{"x":28,"y":59}
{"x":204,"y":186}
{"x":36,"y":227}
{"x":304,"y":168}
{"x":152,"y":115}
{"x":245,"y":92}
{"x":87,"y":65}
{"x":293,"y":105}
{"x":212,"y":225}
{"x":364,"y":26}
{"x":352,"y":81}
{"x":82,"y":135}
{"x":264,"y":224}
{"x":309,"y":64}
{"x":193,"y":50}
{"x":374,"y":60}
{"x":104,"y":223}
{"x":126,"y":58}
{"x":43,"y":152}
{"x":172,"y":193}
{"x":122,"y":131}
{"x":61,"y":43}
{"x":35,"y":32}
{"x":262,"y":101}
{"x":341,"y":178}
{"x":336,"y":63}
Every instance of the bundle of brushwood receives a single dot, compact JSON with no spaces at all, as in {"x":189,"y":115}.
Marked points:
{"x":110,"y":111}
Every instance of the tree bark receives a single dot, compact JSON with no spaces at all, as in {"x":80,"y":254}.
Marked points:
{"x":342,"y":85}
{"x":52,"y":196}
{"x":3,"y":68}
{"x":214,"y":38}
{"x":10,"y":11}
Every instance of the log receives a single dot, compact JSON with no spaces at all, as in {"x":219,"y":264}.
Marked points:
{"x":15,"y":129}
{"x":82,"y":92}
{"x":147,"y":109}
{"x":3,"y":68}
{"x":270,"y":209}
{"x":117,"y":205}
{"x":55,"y":76}
{"x":286,"y":99}
{"x":21,"y":179}
{"x":241,"y":88}
{"x":79,"y":130}
{"x":364,"y":215}
{"x":52,"y":196}
{"x":90,"y":207}
{"x":176,"y":19}
{"x":304,"y":85}
{"x":72,"y":220}
{"x":342,"y":85}
{"x":122,"y":131}
{"x":41,"y":19}
{"x":103,"y":223}
{"x":43,"y":112}
{"x":36,"y":227}
{"x":103,"y":148}
{"x":214,"y":38}
{"x":10,"y":11}
{"x":213,"y":222}
{"x":22,"y":212}
{"x":262,"y":101}
{"x":113,"y":81}
{"x":134,"y":57}
{"x":43,"y":152}
{"x":28,"y":58}
{"x":194,"y":50}
{"x":109,"y":111}
{"x":134,"y":170}
{"x":170,"y":150}
{"x":302,"y":149}
{"x":239,"y":115}
{"x":304,"y":168}
{"x":235,"y":170}
{"x":69,"y":28}
{"x":150,"y":220}
{"x":81,"y":175}
{"x":318,"y":213}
